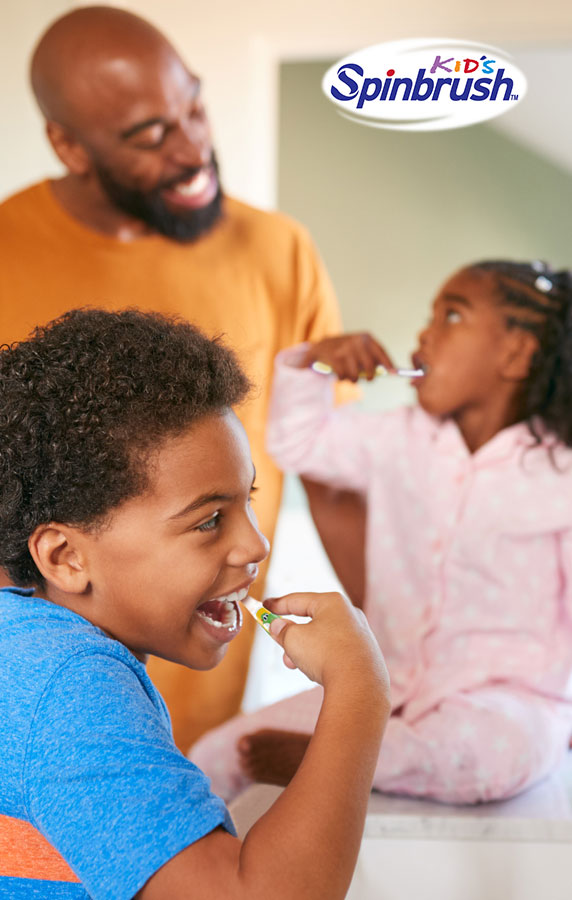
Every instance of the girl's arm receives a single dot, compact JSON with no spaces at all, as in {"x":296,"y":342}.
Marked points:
{"x":340,"y":519}
{"x":306,"y":845}
{"x":306,"y":434}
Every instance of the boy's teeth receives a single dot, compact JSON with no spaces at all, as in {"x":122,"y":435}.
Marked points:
{"x":228,"y":610}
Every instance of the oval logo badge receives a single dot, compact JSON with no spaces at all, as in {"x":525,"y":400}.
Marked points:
{"x":424,"y":85}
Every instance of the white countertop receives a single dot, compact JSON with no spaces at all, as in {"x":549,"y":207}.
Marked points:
{"x":542,"y":814}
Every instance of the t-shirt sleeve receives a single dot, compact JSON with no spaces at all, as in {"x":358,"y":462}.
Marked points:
{"x":106,"y":784}
{"x":319,"y":313}
{"x":318,"y":309}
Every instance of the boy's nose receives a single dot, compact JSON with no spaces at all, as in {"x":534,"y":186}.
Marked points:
{"x":252,"y":547}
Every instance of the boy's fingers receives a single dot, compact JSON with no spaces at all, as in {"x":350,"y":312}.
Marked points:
{"x":297,"y":604}
{"x":275,"y":627}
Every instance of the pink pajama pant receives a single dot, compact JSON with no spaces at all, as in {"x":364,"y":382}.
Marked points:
{"x":486,"y":744}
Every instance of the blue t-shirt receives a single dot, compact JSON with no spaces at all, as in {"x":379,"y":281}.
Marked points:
{"x":87,"y":755}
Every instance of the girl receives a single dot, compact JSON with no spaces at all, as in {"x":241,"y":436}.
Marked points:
{"x":468,"y":539}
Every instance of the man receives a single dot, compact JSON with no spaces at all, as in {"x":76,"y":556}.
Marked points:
{"x":140,"y":220}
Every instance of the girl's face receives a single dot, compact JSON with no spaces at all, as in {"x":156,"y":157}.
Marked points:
{"x":464,"y":349}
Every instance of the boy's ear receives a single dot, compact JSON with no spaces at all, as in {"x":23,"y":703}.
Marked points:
{"x":520,"y":347}
{"x":58,"y":557}
{"x":68,"y":148}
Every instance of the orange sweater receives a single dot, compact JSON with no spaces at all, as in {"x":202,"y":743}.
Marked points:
{"x":256,"y":278}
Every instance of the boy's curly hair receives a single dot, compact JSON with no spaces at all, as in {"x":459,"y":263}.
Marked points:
{"x":83,"y":402}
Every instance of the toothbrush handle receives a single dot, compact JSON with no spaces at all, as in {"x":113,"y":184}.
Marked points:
{"x":259,"y":612}
{"x":380,"y":371}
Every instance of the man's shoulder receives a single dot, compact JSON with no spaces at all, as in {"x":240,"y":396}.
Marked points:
{"x":23,"y":202}
{"x":267,"y":225}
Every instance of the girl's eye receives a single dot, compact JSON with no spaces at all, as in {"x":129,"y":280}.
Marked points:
{"x":453,"y":316}
{"x":211,"y":524}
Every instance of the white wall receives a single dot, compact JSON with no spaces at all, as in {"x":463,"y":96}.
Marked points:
{"x":236,"y":47}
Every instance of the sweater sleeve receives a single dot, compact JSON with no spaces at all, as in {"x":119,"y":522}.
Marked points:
{"x":309,"y":436}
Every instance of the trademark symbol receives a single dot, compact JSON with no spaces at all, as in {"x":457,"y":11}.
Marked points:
{"x":514,"y":96}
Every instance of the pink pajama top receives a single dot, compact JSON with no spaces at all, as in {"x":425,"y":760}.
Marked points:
{"x":468,"y":556}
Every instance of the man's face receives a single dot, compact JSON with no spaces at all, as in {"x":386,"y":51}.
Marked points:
{"x":166,"y":573}
{"x":148,"y":138}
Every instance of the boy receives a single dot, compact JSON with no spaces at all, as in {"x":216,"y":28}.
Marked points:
{"x":125,"y":518}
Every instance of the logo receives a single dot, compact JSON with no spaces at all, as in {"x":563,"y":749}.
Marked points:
{"x":424,"y":85}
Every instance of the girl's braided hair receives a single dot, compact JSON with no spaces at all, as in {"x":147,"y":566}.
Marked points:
{"x":539,"y":300}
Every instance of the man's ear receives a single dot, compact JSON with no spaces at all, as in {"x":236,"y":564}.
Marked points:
{"x":520,"y":347}
{"x":59,"y":558}
{"x":67,"y":147}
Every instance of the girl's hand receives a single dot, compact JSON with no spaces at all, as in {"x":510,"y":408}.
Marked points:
{"x":336,"y":646}
{"x":350,"y":355}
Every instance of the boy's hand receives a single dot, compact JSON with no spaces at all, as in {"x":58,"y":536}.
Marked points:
{"x":317,"y":822}
{"x":337,"y":645}
{"x":350,"y":355}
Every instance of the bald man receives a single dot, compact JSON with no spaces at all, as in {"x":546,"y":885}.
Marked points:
{"x":139,"y":219}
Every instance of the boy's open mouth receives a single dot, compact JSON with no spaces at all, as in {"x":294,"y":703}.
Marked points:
{"x":223,"y":613}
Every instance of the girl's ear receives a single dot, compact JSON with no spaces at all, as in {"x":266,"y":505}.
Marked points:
{"x":520,"y":347}
{"x":56,"y":553}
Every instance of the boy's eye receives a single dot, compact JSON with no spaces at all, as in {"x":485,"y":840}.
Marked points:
{"x":452,"y":316}
{"x":211,"y":524}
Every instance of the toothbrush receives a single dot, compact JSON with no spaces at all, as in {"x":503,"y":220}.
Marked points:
{"x":325,"y":369}
{"x":259,"y":612}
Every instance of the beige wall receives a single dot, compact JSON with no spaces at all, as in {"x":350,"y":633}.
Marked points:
{"x":405,"y":249}
{"x":395,"y":213}
{"x":237,"y":47}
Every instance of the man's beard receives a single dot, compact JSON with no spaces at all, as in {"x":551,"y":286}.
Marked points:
{"x":149,"y":207}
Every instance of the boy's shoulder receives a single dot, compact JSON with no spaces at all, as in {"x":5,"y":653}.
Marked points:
{"x":39,"y":636}
{"x":40,"y":640}
{"x":88,"y":755}
{"x":45,"y":647}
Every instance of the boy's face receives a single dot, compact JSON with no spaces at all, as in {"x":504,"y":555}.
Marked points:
{"x":191,"y":538}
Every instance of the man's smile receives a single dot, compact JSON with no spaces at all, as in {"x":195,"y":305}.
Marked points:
{"x":195,"y":191}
